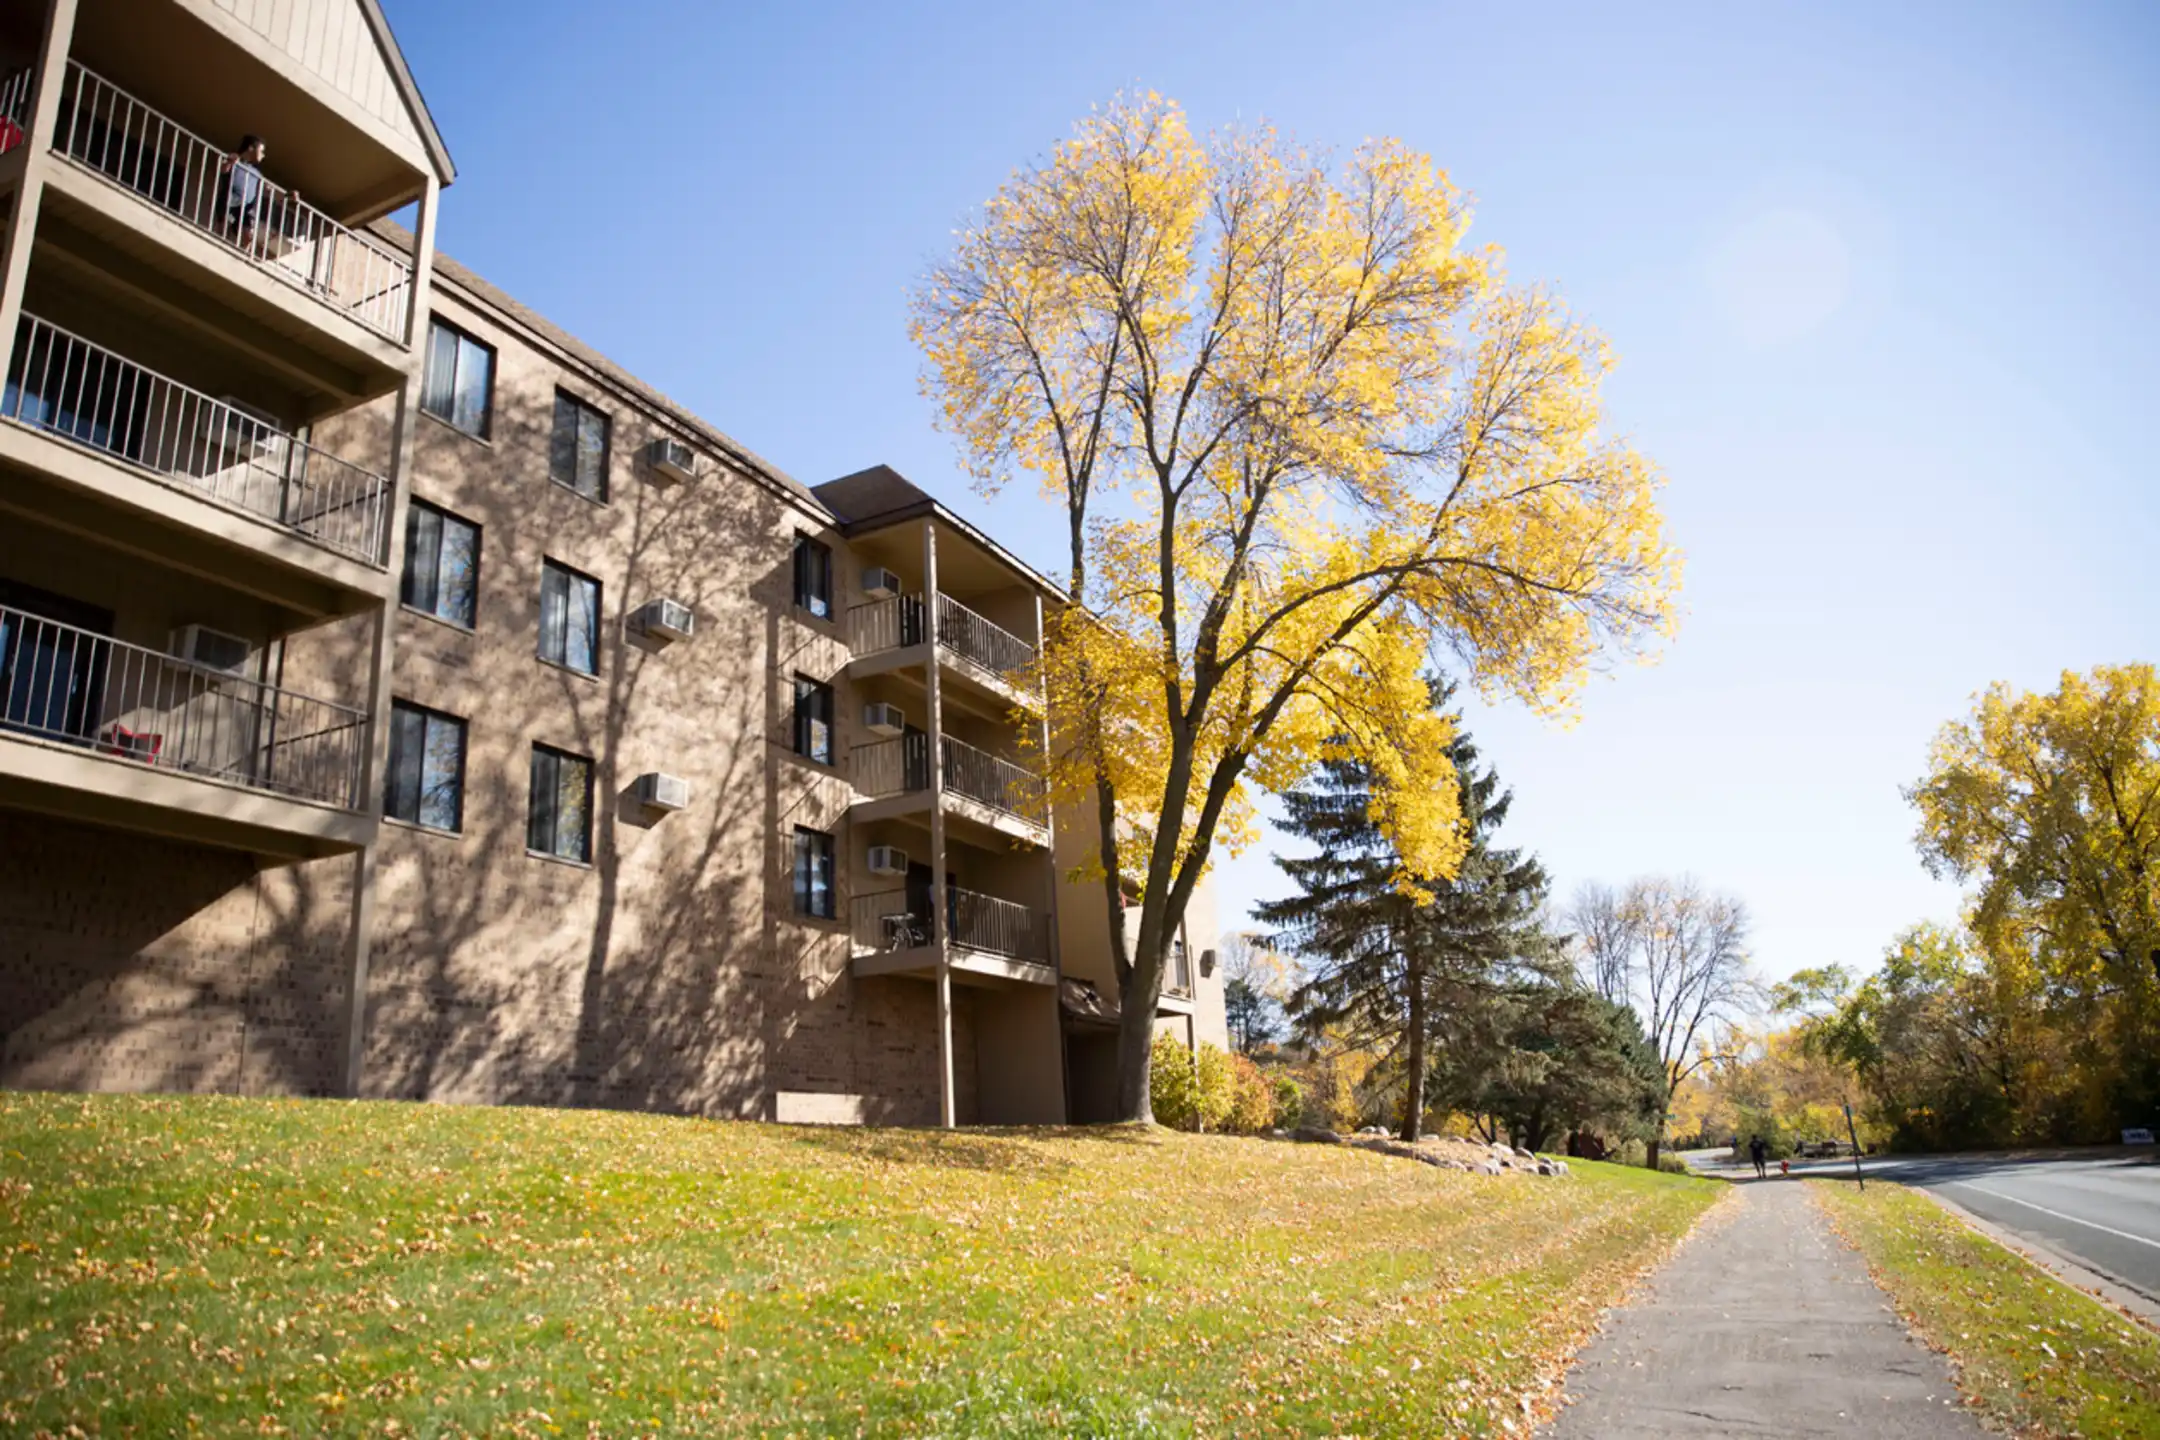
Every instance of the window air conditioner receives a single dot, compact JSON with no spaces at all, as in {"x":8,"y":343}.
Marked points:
{"x":671,"y":459}
{"x":669,"y":619}
{"x":663,"y":792}
{"x":210,"y":649}
{"x":888,"y":860}
{"x":880,"y":718}
{"x":879,"y":583}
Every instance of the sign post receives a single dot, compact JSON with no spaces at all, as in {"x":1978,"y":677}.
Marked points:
{"x":1854,"y":1134}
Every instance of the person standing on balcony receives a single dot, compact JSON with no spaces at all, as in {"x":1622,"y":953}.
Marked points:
{"x":244,"y":186}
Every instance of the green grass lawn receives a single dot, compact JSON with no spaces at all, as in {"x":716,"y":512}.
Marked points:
{"x":2038,"y":1356}
{"x":176,"y":1266}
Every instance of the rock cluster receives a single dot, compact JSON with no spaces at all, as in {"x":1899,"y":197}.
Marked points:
{"x":1448,"y":1154}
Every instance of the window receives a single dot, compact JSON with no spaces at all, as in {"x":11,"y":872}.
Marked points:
{"x":813,"y":720}
{"x":459,"y":384}
{"x":426,"y":783}
{"x":813,"y":577}
{"x":569,"y":618}
{"x":814,"y":873}
{"x":578,"y":453}
{"x":559,"y":822}
{"x":442,"y":564}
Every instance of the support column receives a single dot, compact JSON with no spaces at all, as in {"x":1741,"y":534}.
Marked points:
{"x":381,"y":681}
{"x":941,"y":905}
{"x":1050,"y":882}
{"x":39,"y":122}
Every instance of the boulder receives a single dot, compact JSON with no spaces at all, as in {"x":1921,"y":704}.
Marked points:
{"x":1522,"y":1154}
{"x":1315,"y":1135}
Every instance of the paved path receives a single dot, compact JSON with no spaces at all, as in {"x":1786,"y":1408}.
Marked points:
{"x":1766,"y":1324}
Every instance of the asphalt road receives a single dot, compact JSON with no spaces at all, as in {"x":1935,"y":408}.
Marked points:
{"x":2102,"y":1211}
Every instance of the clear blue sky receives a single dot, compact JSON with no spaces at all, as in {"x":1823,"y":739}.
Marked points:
{"x":1881,"y":279}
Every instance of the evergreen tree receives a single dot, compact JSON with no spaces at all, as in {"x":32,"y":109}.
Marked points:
{"x":1384,"y":969}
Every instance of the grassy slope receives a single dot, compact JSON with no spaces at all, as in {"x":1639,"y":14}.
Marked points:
{"x":168,"y":1265}
{"x":2034,"y":1353}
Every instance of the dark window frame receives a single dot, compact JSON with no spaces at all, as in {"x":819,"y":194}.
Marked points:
{"x":407,"y":587}
{"x":442,"y":403}
{"x":813,"y":576}
{"x":816,"y":858}
{"x":578,"y":412}
{"x":549,"y":844}
{"x":820,"y":695}
{"x":549,"y":566}
{"x":426,"y":715}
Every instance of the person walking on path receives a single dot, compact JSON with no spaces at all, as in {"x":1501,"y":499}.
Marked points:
{"x":1760,"y":1154}
{"x":1766,"y":1324}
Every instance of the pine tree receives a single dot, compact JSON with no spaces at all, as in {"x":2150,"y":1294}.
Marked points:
{"x":1385,"y":970}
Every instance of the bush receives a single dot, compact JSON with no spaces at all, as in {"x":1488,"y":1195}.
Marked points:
{"x":1252,"y":1100}
{"x":1218,"y":1095}
{"x":1173,"y":1085}
{"x":1289,"y":1103}
{"x":1670,"y":1163}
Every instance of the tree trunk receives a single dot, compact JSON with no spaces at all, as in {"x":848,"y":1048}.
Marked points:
{"x":1656,"y":1144}
{"x":1413,"y":1120}
{"x":1136,"y":1039}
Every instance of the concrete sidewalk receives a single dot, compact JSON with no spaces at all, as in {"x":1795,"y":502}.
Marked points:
{"x":1765,"y":1323}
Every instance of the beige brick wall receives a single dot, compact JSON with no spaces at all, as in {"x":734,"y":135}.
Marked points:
{"x":129,"y":962}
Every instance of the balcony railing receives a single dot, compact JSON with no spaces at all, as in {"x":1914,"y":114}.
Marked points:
{"x":62,"y":384}
{"x":109,"y":131}
{"x":898,"y":621}
{"x":902,"y":767}
{"x":905,"y":919}
{"x":59,"y":682}
{"x":994,"y":781}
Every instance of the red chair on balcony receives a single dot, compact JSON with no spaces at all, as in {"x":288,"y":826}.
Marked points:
{"x":129,"y":744}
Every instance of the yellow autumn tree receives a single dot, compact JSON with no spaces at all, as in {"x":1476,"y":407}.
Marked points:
{"x":2048,"y":806}
{"x":1306,"y":444}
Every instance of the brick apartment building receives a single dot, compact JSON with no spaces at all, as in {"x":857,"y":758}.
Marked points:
{"x":399,"y":699}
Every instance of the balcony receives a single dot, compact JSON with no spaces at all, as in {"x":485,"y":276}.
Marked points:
{"x":102,"y":729}
{"x":987,"y":789}
{"x":110,"y":133}
{"x":889,"y":633}
{"x":60,"y":385}
{"x":895,"y":932}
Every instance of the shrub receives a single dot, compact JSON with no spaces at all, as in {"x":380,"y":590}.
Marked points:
{"x":1289,"y":1103}
{"x":1670,"y":1163}
{"x":1217,"y":1092}
{"x":1252,"y":1100}
{"x":1173,"y":1085}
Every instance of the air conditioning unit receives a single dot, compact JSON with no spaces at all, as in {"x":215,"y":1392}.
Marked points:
{"x":669,"y":619}
{"x":888,"y":860}
{"x":880,"y":718}
{"x":671,"y":459}
{"x":210,"y":649}
{"x":879,"y":583}
{"x":663,"y":792}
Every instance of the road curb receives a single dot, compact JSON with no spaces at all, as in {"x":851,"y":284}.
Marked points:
{"x":2077,"y":1276}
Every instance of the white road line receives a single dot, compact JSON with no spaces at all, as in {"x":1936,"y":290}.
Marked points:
{"x":2088,"y":1224}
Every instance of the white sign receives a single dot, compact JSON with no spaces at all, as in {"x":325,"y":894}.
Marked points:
{"x":2137,"y":1137}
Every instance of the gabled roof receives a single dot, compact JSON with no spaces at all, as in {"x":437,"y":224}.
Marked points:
{"x":409,"y":90}
{"x":881,"y":496}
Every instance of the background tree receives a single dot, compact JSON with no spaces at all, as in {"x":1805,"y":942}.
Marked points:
{"x":1564,"y":1059}
{"x":1302,"y":439}
{"x":2049,"y":807}
{"x":1679,"y":955}
{"x":1255,"y":984}
{"x":1390,"y":966}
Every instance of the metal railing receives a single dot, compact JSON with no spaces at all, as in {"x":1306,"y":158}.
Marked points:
{"x":63,"y":384}
{"x":889,"y":920}
{"x":107,"y":130}
{"x":891,"y":767}
{"x":994,"y":781}
{"x":896,"y":622}
{"x":14,"y":108}
{"x":59,"y":682}
{"x":975,"y":638}
{"x":1000,"y":927}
